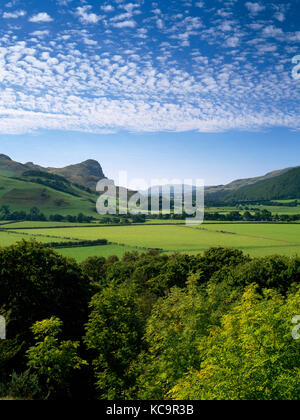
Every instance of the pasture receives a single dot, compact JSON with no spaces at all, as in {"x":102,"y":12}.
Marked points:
{"x":82,"y":253}
{"x":10,"y":238}
{"x":256,"y":239}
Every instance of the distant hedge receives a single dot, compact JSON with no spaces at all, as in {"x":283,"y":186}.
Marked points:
{"x":75,"y":244}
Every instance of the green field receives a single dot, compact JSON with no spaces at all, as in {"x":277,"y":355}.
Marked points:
{"x":29,"y":224}
{"x":255,"y":239}
{"x":273,"y":209}
{"x":22,"y":195}
{"x":82,"y":253}
{"x":7,"y":239}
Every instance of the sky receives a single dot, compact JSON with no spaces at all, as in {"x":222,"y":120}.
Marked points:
{"x":175,"y":89}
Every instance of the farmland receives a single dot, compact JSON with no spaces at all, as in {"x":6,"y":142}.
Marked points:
{"x":257,"y":239}
{"x":82,"y":253}
{"x":9,"y":238}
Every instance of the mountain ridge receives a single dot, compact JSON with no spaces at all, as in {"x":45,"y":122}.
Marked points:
{"x":86,"y":173}
{"x":30,"y":184}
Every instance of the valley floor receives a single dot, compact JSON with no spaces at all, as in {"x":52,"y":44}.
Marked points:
{"x":257,"y":239}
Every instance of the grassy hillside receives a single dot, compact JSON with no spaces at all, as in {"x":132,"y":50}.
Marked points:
{"x":87,"y":173}
{"x":22,"y":195}
{"x":23,"y":186}
{"x":283,"y":187}
{"x":241,"y":183}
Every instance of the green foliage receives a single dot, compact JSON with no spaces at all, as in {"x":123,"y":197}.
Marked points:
{"x":172,"y":335}
{"x":114,"y":332}
{"x":216,"y":325}
{"x":24,"y":386}
{"x":252,"y":356}
{"x":52,"y":359}
{"x":174,"y":332}
{"x":284,"y":186}
{"x":95,"y":269}
{"x":37,"y":283}
{"x":278,"y":272}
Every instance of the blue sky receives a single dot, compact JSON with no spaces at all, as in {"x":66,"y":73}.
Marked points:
{"x":200,"y":89}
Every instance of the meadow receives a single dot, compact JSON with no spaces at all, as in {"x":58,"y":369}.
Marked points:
{"x":10,"y":238}
{"x":82,"y":253}
{"x":256,"y":239}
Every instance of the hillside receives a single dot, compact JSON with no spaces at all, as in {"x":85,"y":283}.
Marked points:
{"x":23,"y":186}
{"x":282,"y":187}
{"x":71,"y":190}
{"x":87,"y":173}
{"x":223,"y":192}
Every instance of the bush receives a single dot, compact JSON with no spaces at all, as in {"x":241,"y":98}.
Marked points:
{"x":24,"y":386}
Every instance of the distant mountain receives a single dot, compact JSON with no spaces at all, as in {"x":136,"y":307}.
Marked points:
{"x":68,"y":190}
{"x":175,"y":189}
{"x":279,"y":184}
{"x":223,"y":191}
{"x":281,"y":187}
{"x":72,"y":189}
{"x":87,"y":173}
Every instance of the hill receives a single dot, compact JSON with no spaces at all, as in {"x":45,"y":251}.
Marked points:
{"x":65,"y":191}
{"x":228,"y":192}
{"x":87,"y":173}
{"x":71,"y":190}
{"x":282,"y":187}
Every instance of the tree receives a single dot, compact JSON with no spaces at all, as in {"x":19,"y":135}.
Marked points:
{"x":4,"y":212}
{"x":53,"y":360}
{"x":95,"y":269}
{"x":114,"y":333}
{"x":174,"y":331}
{"x":252,"y":356}
{"x":172,"y":335}
{"x":37,"y":283}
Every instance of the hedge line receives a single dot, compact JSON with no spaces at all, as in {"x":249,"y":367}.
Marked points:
{"x":75,"y":244}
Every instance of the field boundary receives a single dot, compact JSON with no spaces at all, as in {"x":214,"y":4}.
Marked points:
{"x":249,"y":236}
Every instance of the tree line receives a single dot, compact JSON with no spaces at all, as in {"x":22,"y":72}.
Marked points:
{"x":36,"y":215}
{"x":217,"y":325}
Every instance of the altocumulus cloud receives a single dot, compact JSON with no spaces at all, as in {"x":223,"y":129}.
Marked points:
{"x":140,"y":67}
{"x":40,"y":18}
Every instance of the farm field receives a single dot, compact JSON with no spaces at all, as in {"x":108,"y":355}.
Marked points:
{"x":7,"y":239}
{"x":255,"y":239}
{"x":82,"y":253}
{"x":273,"y":209}
{"x":29,"y":224}
{"x":279,"y":232}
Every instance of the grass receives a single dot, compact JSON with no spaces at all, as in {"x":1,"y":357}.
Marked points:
{"x":21,"y":194}
{"x":29,"y":224}
{"x":280,"y":232}
{"x":7,"y":239}
{"x":255,"y":239}
{"x":164,"y":222}
{"x":273,"y":209}
{"x":82,"y":253}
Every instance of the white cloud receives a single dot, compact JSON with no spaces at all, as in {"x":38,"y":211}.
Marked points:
{"x":280,"y":16}
{"x":40,"y":18}
{"x":40,"y":34}
{"x":14,"y":15}
{"x":232,"y":42}
{"x":99,"y":79}
{"x":125,"y":24}
{"x":107,"y":8}
{"x":255,"y":8}
{"x":272,"y":31}
{"x":85,"y":16}
{"x":64,"y":2}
